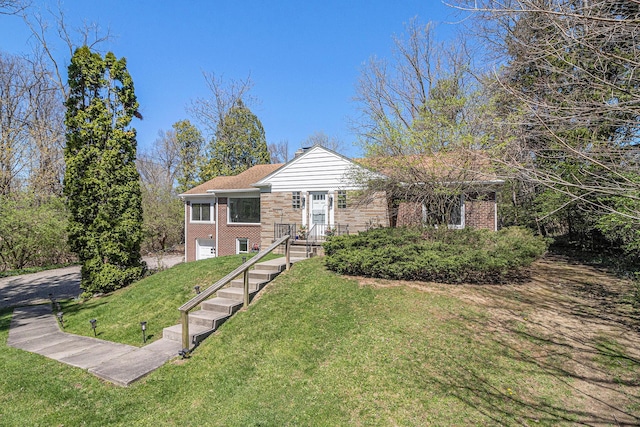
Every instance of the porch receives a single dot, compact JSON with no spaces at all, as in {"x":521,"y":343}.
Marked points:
{"x":308,"y":241}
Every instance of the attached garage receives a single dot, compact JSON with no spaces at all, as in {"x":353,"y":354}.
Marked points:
{"x":205,"y":248}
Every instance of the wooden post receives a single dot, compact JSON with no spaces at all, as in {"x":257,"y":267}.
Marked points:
{"x":186,"y":345}
{"x":246,"y":288}
{"x":287,"y":257}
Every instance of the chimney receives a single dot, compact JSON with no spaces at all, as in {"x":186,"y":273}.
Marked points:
{"x":300,"y":151}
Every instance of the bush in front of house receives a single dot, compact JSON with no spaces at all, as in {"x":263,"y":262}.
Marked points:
{"x":439,"y":255}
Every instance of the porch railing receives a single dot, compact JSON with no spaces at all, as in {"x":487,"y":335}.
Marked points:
{"x":280,"y":230}
{"x":320,"y":232}
{"x":244,"y":270}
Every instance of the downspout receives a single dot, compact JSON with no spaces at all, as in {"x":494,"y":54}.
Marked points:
{"x":495,"y":211}
{"x":216,"y":210}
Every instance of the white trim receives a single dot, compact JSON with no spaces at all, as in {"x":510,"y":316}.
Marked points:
{"x":234,"y":191}
{"x":217,"y":225}
{"x":186,"y":230}
{"x":212,"y":211}
{"x":238,"y":252}
{"x":231,"y":223}
{"x":495,"y":211}
{"x":462,"y":215}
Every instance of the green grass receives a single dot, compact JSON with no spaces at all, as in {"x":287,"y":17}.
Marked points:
{"x":315,"y":349}
{"x":155,"y":299}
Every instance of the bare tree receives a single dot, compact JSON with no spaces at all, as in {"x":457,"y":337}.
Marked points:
{"x":12,"y":7}
{"x":31,"y":127}
{"x":279,"y":151}
{"x":210,"y":112}
{"x":570,"y":88}
{"x":321,"y":138}
{"x":417,"y":124}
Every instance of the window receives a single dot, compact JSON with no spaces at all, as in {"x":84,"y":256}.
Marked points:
{"x":295,"y":200}
{"x":448,"y":211}
{"x":342,"y":199}
{"x":242,"y":245}
{"x":201,"y":212}
{"x":456,"y":216}
{"x":244,"y":210}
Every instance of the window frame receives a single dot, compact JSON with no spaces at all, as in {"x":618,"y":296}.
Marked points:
{"x":461,"y":209}
{"x":238,"y":244}
{"x":229,"y":213}
{"x":296,"y":200}
{"x":341,"y":199}
{"x":212,"y":212}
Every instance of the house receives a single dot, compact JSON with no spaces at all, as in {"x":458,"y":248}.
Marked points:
{"x":313,"y":195}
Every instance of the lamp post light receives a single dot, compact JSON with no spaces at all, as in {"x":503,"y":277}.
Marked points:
{"x":143,"y":326}
{"x":93,"y":326}
{"x":60,"y":319}
{"x":197,"y":289}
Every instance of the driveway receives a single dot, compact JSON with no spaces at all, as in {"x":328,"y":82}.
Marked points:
{"x":63,"y":283}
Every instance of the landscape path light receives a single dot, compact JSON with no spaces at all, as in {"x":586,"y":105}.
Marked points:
{"x":143,"y":326}
{"x":93,"y":326}
{"x":197,"y":289}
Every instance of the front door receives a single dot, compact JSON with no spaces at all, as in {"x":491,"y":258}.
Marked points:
{"x":318,"y":213}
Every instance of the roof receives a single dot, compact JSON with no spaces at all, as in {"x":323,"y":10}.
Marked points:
{"x":242,"y":181}
{"x":301,"y":154}
{"x":452,"y":166}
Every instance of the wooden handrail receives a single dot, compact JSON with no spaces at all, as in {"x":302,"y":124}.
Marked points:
{"x":195,"y":301}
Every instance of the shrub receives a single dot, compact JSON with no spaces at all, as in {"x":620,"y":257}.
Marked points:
{"x":430,"y":254}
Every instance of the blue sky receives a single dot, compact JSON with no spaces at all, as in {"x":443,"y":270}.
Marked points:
{"x":304,"y":57}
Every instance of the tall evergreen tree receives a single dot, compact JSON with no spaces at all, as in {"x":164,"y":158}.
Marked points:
{"x":190,"y":143}
{"x":101,"y":181}
{"x":239,"y":143}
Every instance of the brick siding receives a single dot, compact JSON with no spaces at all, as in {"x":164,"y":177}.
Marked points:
{"x":480,"y":210}
{"x":228,"y":232}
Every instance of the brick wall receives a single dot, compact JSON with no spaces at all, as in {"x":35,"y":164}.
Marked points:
{"x":194,"y":232}
{"x":480,"y":210}
{"x":228,"y":232}
{"x":409,"y":213}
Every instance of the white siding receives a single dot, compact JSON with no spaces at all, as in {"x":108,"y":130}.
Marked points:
{"x":315,"y":170}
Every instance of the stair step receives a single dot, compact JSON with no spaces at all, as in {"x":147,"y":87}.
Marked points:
{"x":206,"y":318}
{"x":263,"y":274}
{"x":236,"y":293}
{"x":254,"y":284}
{"x":196,"y":333}
{"x":221,"y":305}
{"x":276,"y":264}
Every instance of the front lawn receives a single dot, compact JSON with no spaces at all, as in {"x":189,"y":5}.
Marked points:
{"x":320,"y":349}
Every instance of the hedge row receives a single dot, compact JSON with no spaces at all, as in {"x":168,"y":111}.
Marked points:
{"x":439,"y":255}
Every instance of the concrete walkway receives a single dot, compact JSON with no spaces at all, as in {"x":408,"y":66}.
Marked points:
{"x":35,"y":329}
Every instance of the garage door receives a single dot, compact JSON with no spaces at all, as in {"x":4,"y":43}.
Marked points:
{"x":205,"y":248}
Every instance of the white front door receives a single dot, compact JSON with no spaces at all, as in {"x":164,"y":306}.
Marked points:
{"x":318,"y":212}
{"x":205,"y":248}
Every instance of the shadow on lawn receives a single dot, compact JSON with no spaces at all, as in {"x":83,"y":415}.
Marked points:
{"x":576,"y":325}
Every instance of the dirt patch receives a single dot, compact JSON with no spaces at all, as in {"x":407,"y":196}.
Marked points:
{"x":574,"y":321}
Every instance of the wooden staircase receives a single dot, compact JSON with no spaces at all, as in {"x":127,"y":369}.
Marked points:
{"x":215,"y":311}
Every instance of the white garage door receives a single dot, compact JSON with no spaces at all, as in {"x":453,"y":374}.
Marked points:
{"x":205,"y":248}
